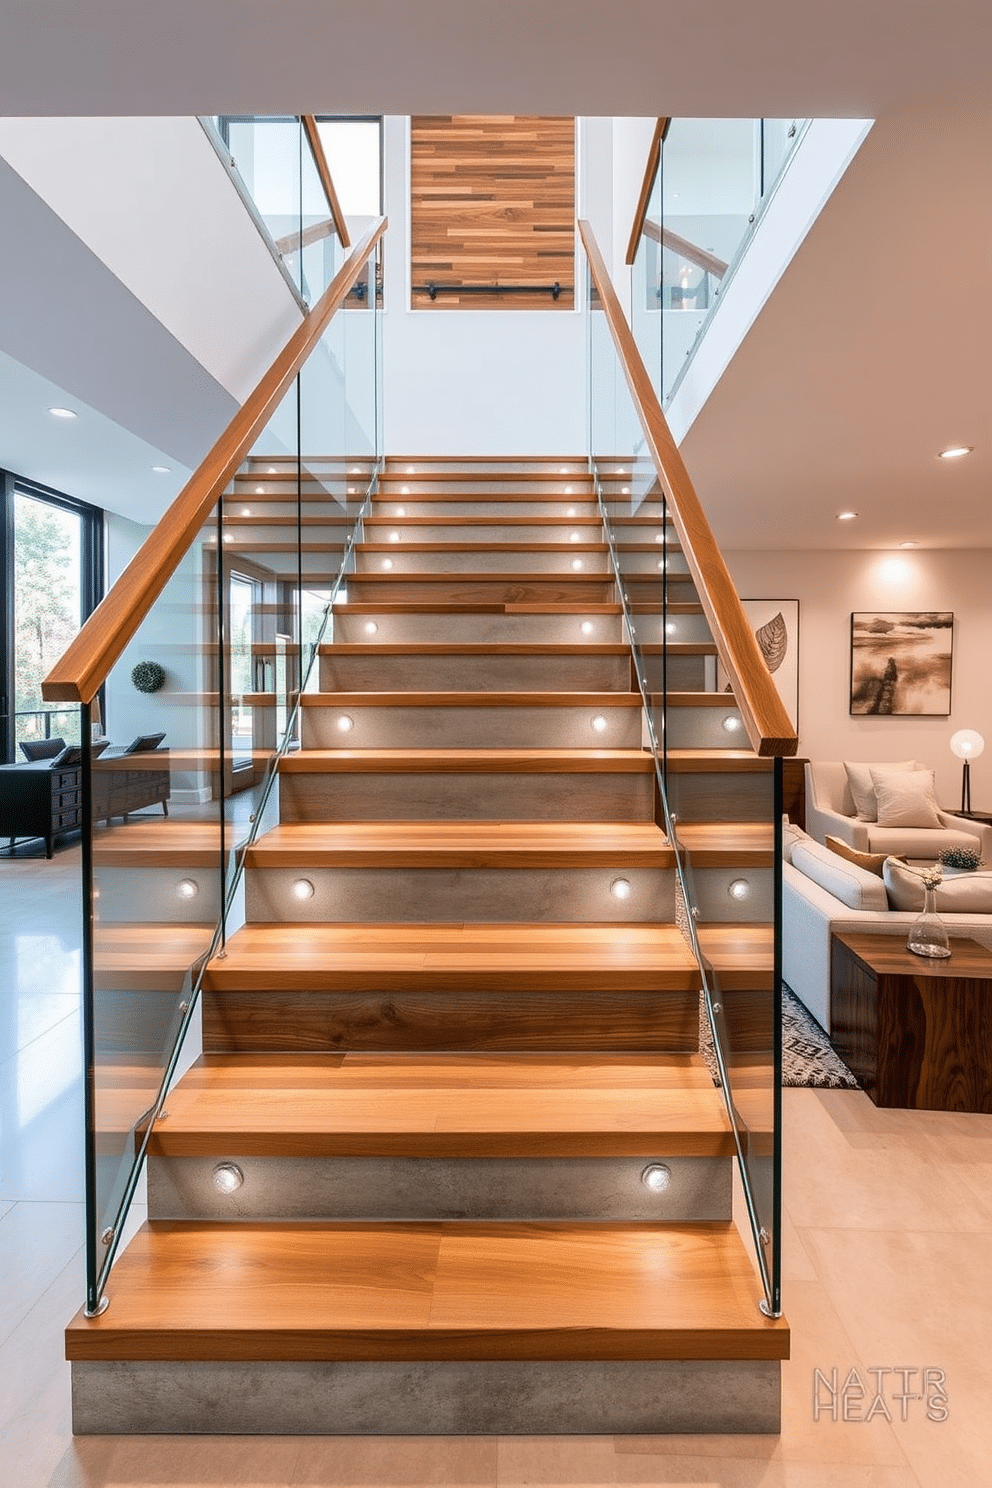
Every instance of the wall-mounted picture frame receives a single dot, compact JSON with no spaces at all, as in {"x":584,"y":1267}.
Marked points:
{"x":775,"y":623}
{"x":901,"y":663}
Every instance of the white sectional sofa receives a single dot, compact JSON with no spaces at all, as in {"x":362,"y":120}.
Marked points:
{"x":822,"y":894}
{"x":830,"y":811}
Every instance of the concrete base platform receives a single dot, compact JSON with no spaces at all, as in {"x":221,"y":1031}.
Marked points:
{"x":427,"y":1399}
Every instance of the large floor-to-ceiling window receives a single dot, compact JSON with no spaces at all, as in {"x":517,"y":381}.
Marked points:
{"x":53,"y":579}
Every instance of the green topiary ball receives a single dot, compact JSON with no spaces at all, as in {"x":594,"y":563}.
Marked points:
{"x":965,"y":858}
{"x":148,"y":676}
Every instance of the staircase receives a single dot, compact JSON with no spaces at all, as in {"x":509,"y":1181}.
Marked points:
{"x":401,"y":1191}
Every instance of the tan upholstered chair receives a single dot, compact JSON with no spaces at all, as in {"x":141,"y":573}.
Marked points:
{"x":830,"y":811}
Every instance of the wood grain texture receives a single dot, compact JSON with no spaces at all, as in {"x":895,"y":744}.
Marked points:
{"x":647,"y":184}
{"x":492,"y":1106}
{"x":468,"y":762}
{"x":492,"y":202}
{"x":104,"y":636}
{"x":432,"y":1291}
{"x":453,"y":844}
{"x":768,"y":726}
{"x":701,"y":257}
{"x":494,"y":699}
{"x":453,"y":1008}
{"x":324,"y":172}
{"x":916,"y":1033}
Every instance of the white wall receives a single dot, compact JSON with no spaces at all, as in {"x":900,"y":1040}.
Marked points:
{"x":832,"y":585}
{"x":472,"y":382}
{"x":151,"y":199}
{"x":171,"y":634}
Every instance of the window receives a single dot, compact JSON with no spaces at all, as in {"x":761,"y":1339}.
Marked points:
{"x":53,"y":570}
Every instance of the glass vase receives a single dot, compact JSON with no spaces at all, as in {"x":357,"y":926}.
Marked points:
{"x":928,"y":933}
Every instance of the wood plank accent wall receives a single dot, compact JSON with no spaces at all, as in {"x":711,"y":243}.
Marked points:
{"x":492,"y":202}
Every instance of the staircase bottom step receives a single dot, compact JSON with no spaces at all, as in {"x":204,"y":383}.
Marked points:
{"x":457,"y":1398}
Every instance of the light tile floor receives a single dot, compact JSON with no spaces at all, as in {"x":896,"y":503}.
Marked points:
{"x":888,"y":1246}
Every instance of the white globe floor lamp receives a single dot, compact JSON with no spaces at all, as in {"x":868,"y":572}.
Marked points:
{"x":967,"y":744}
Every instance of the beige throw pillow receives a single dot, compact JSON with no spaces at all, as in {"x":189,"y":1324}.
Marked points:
{"x":905,"y":798}
{"x":863,"y":791}
{"x":870,"y":862}
{"x":971,"y":893}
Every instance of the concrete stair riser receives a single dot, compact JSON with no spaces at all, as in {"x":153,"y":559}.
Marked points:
{"x":452,"y":796}
{"x":426,"y":672}
{"x":428,"y":1399}
{"x":455,"y":727}
{"x":410,"y":1188}
{"x":478,"y":895}
{"x":469,"y":560}
{"x":499,"y":628}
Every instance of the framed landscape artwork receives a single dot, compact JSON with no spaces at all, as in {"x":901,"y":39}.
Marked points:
{"x":901,"y":662}
{"x":775,"y":623}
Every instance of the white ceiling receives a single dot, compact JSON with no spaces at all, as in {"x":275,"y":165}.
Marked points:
{"x":873,"y":353}
{"x":780,"y":58}
{"x":874,"y":350}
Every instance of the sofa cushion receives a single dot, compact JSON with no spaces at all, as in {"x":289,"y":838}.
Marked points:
{"x":847,"y":882}
{"x":871,"y":862}
{"x":968,"y":893}
{"x":906,"y":798}
{"x":862,"y":788}
{"x":791,"y":835}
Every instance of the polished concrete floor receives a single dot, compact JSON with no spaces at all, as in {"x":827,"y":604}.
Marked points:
{"x":888,"y":1247}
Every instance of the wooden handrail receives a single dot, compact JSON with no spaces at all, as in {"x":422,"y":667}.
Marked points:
{"x":762,"y":710}
{"x":99,"y":644}
{"x":650,"y":171}
{"x":294,"y":241}
{"x":324,"y":171}
{"x":699,"y":256}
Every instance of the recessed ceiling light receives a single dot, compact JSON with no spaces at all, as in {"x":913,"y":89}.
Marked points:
{"x":162,"y":469}
{"x":846,"y":516}
{"x":66,"y":413}
{"x":953,"y":451}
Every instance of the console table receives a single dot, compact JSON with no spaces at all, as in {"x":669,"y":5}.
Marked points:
{"x":37,"y":801}
{"x":916,"y":1033}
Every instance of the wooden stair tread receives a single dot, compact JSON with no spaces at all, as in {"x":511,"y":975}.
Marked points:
{"x":431,"y":1290}
{"x":741,"y":955}
{"x":455,"y":958}
{"x":454,"y":607}
{"x":480,"y":547}
{"x":717,"y":761}
{"x":728,"y":844}
{"x":160,"y":842}
{"x":343,"y":1107}
{"x":496,"y":520}
{"x":468,"y":761}
{"x":142,"y":957}
{"x":371,"y":649}
{"x":494,"y":699}
{"x":453,"y":844}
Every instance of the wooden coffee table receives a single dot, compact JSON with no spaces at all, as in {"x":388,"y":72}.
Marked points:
{"x":916,"y":1033}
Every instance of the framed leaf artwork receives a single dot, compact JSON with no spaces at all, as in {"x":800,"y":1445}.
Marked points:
{"x":775,"y":623}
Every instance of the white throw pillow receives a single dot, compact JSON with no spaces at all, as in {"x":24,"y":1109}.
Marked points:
{"x":863,"y":791}
{"x":905,"y":798}
{"x":971,"y":893}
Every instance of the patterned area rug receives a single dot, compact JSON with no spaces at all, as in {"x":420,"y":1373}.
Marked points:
{"x":808,"y":1059}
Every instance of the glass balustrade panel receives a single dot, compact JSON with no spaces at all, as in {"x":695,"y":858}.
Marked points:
{"x":194,"y":719}
{"x":719,"y":803}
{"x":156,"y":842}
